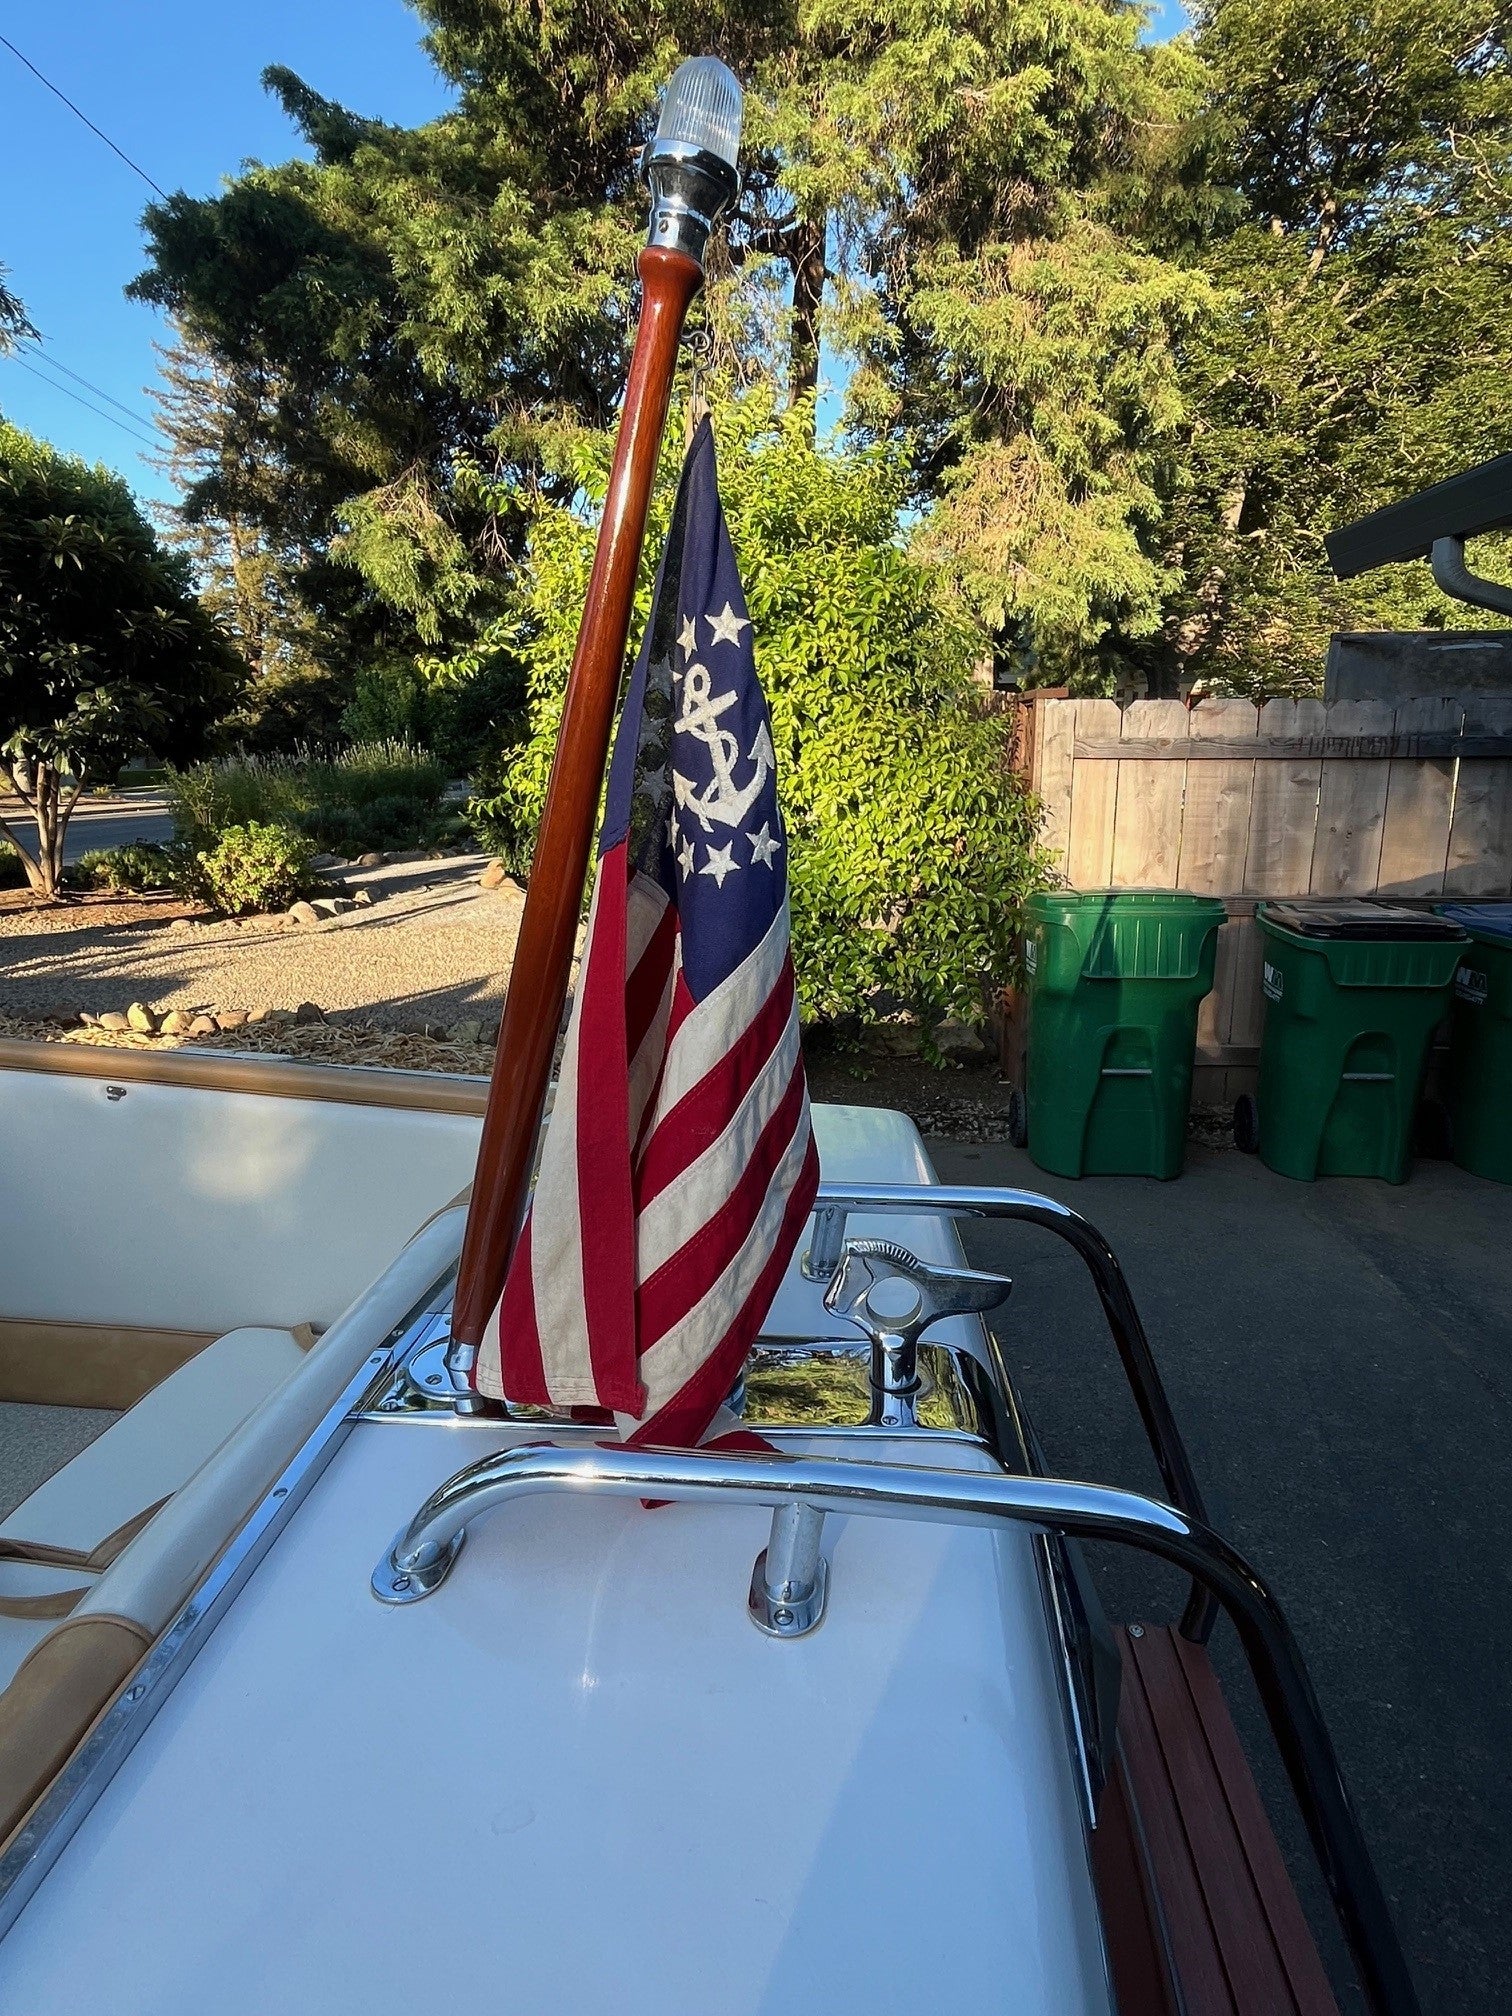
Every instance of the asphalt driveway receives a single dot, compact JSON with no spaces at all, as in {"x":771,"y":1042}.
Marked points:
{"x":1340,"y":1358}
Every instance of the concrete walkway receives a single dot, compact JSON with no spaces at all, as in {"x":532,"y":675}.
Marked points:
{"x":1339,"y":1356}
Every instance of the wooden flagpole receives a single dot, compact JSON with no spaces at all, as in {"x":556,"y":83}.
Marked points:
{"x":553,"y":901}
{"x":690,"y":165}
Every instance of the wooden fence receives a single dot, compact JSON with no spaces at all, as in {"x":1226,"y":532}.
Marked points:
{"x":1295,"y":798}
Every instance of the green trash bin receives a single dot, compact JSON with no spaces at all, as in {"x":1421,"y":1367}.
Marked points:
{"x":1114,"y":982}
{"x":1480,"y":1041}
{"x":1353,"y":994}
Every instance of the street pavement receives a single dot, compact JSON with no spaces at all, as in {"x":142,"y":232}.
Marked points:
{"x":1339,"y":1356}
{"x":110,"y":821}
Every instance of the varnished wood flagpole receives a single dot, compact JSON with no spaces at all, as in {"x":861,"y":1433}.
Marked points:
{"x":553,"y":901}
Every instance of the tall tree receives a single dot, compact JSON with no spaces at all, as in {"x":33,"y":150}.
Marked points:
{"x":955,"y":202}
{"x":103,"y":646}
{"x":1364,"y":348}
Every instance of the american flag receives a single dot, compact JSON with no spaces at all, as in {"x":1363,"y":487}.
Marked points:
{"x":679,"y":1164}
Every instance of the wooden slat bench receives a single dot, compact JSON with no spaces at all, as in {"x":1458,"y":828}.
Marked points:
{"x":1201,"y":1916}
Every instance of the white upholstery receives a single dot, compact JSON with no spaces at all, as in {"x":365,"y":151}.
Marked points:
{"x":140,"y":1459}
{"x":158,"y":1444}
{"x":19,"y":1634}
{"x":157,"y":1571}
{"x":178,"y":1207}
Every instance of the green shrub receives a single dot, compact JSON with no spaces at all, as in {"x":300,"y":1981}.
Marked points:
{"x":375,"y":795}
{"x":912,"y":842}
{"x":136,"y":866}
{"x":255,"y":867}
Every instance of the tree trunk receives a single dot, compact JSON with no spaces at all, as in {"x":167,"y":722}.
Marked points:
{"x":809,"y":275}
{"x":51,"y":802}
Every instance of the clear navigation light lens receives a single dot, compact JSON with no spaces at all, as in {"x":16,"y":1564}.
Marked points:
{"x":702,"y":108}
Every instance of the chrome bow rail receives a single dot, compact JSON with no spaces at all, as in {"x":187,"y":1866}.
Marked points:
{"x":838,"y":1201}
{"x":424,"y":1553}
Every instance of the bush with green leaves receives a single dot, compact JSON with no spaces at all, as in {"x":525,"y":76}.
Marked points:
{"x":255,"y":867}
{"x":375,"y":795}
{"x":136,"y":866}
{"x":912,"y":841}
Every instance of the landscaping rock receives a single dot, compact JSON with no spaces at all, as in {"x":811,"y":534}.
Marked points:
{"x":115,"y":1022}
{"x":334,"y":906}
{"x":362,"y":899}
{"x":309,"y":1011}
{"x":489,"y":1034}
{"x":493,"y":876}
{"x":466,"y":1032}
{"x":327,"y":861}
{"x":303,"y":913}
{"x":231,"y":1018}
{"x":176,"y":1023}
{"x":204,"y":1025}
{"x":895,"y":1039}
{"x":89,"y":1021}
{"x":141,"y":1018}
{"x":959,"y":1043}
{"x":373,"y":860}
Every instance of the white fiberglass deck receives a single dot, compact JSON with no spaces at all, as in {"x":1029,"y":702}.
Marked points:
{"x":577,"y":1780}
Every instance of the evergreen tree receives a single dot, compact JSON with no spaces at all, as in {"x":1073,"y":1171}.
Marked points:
{"x":1364,"y":348}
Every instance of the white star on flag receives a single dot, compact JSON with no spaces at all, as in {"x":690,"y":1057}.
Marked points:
{"x":685,"y":858}
{"x":763,"y":846}
{"x":727,"y":626}
{"x":721,"y":862}
{"x":687,"y":637}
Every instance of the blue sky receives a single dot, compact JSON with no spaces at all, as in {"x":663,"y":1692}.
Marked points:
{"x":175,"y":85}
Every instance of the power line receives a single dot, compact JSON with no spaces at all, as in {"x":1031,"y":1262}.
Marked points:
{"x":132,"y":165}
{"x":146,"y":438}
{"x":131,"y":412}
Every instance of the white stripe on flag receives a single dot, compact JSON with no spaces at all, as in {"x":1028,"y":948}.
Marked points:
{"x":674,"y":1358}
{"x":556,"y":1230}
{"x":705,"y":1037}
{"x":693,"y":1197}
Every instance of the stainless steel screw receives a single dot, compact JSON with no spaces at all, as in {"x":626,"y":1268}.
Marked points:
{"x":1136,"y":1630}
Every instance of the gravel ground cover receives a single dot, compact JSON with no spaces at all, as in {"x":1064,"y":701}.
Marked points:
{"x":434,"y":948}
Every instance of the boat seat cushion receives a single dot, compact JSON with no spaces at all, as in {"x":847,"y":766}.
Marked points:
{"x":138,"y":1462}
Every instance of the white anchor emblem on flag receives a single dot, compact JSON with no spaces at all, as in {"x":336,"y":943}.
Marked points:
{"x":722,"y":799}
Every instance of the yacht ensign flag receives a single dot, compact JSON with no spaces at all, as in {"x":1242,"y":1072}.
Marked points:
{"x":679,"y":1164}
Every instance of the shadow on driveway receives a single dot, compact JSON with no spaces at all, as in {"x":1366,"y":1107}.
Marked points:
{"x":1339,"y":1356}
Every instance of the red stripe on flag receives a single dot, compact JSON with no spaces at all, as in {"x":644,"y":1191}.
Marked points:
{"x":701,"y":1115}
{"x":648,"y":982}
{"x":680,"y":1283}
{"x":683,"y":1419}
{"x":683,"y":1005}
{"x":603,"y":1149}
{"x":520,"y":1363}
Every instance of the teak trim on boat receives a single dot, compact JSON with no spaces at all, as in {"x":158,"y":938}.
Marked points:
{"x":55,"y":1364}
{"x":1201,"y":1915}
{"x":272,"y":1077}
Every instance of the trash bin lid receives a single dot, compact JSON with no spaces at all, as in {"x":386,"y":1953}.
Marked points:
{"x":1389,"y":922}
{"x":1481,"y":920}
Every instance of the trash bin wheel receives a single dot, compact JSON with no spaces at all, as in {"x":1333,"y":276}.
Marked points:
{"x":1018,"y":1118}
{"x":1246,"y":1123}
